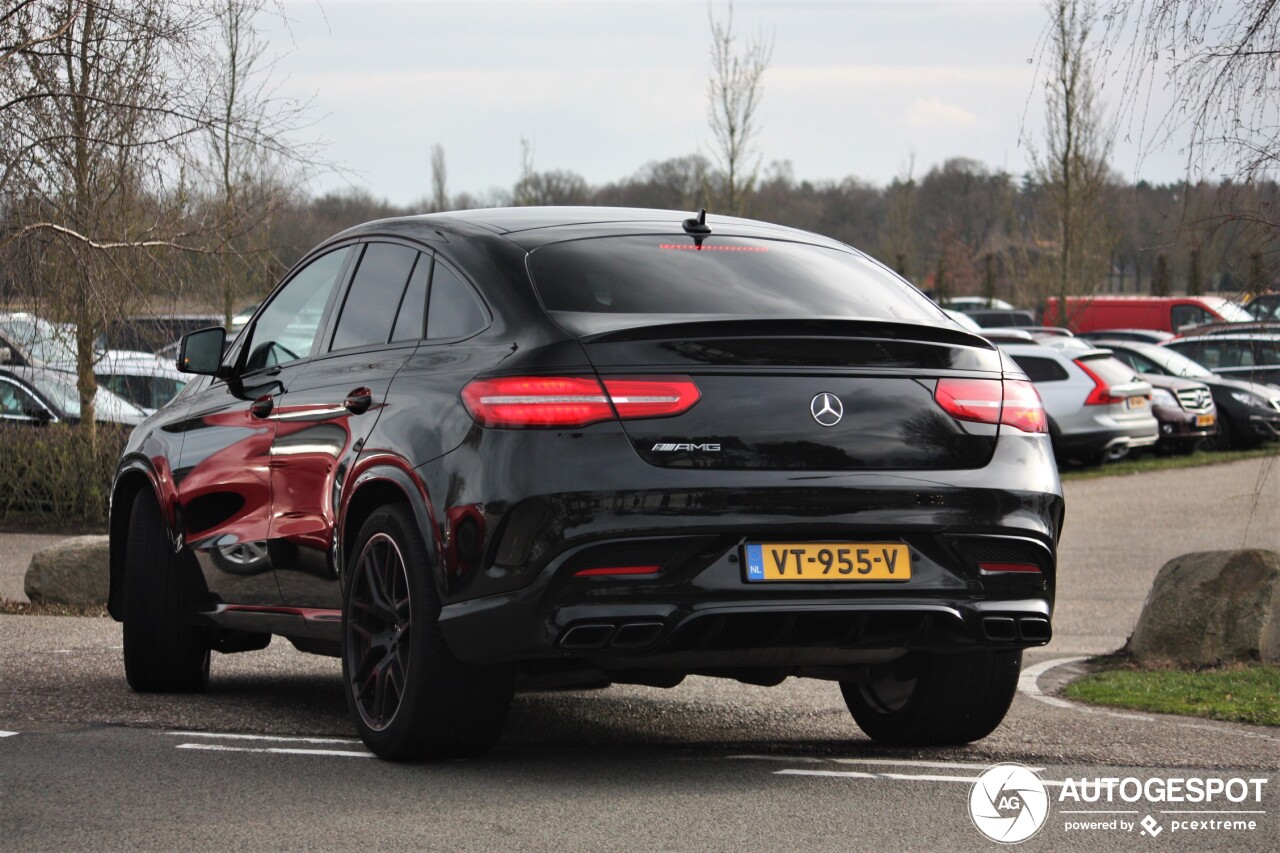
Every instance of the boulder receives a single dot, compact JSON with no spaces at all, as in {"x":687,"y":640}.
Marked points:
{"x":1212,"y":607}
{"x":74,"y":571}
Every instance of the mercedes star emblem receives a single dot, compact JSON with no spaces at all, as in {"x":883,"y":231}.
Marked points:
{"x":827,"y":409}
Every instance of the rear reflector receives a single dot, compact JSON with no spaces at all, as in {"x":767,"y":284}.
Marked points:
{"x":1001,"y":568}
{"x":1011,"y":402}
{"x":575,"y":401}
{"x":616,"y":570}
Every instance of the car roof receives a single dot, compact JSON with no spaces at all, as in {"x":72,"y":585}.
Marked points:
{"x":535,"y":226}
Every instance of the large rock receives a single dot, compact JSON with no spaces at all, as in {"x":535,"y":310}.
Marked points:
{"x":74,"y":571}
{"x":1212,"y":607}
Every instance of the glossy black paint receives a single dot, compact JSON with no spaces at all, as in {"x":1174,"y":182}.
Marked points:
{"x":510,"y":515}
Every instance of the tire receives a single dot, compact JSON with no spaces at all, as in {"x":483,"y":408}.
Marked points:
{"x":410,"y":697}
{"x":162,"y":652}
{"x":1225,"y":439}
{"x":926,"y":699}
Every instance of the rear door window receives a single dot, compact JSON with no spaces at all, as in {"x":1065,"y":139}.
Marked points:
{"x":369,"y":312}
{"x":721,"y":276}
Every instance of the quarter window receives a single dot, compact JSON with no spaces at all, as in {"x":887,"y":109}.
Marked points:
{"x":286,"y":329}
{"x":455,"y":310}
{"x":376,"y":289}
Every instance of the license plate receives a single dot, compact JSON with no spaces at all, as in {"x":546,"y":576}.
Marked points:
{"x":828,"y":561}
{"x":1137,"y":402}
{"x":1204,"y":420}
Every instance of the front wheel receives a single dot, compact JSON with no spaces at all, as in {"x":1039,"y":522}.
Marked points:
{"x":924,"y":699}
{"x":162,"y":652}
{"x":411,"y":698}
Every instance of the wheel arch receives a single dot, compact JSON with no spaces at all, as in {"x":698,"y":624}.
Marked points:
{"x":380,"y":485}
{"x":133,"y":475}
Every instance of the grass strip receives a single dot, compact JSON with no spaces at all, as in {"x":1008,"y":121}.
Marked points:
{"x":1241,"y":693}
{"x":1162,"y":463}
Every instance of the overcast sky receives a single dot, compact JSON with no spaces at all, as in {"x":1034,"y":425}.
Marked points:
{"x":860,"y":88}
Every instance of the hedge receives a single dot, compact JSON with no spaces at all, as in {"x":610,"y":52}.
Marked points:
{"x":59,"y":473}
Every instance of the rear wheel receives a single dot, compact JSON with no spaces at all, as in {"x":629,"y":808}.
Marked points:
{"x":411,"y":698}
{"x":926,"y":699}
{"x":162,"y":652}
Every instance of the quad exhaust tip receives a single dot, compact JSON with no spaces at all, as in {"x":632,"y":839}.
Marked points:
{"x":1007,"y":629}
{"x":629,"y":635}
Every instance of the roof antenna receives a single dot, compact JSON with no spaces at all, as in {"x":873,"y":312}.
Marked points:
{"x":697,"y":225}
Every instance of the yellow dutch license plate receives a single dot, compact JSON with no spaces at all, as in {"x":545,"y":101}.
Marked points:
{"x":1204,"y":420}
{"x":828,"y":561}
{"x":1137,"y":402}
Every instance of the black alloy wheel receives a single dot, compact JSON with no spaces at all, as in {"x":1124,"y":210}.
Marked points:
{"x":163,"y":653}
{"x":379,"y":626}
{"x":410,"y":697}
{"x":925,"y":699}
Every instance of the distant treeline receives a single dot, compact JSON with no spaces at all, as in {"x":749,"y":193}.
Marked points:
{"x":960,"y":228}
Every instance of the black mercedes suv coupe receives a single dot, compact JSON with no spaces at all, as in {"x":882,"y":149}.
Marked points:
{"x":467,"y":452}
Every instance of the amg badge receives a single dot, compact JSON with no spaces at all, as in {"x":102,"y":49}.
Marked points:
{"x":672,"y":448}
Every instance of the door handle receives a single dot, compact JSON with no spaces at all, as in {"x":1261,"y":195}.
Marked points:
{"x":262,"y":406}
{"x":359,"y":401}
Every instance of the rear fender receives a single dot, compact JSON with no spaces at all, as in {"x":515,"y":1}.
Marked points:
{"x":378,"y":479}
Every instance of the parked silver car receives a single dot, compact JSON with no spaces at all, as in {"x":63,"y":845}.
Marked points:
{"x":1099,"y":409}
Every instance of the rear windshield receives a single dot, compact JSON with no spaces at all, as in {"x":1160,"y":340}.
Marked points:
{"x":1110,"y":370}
{"x":725,"y":276}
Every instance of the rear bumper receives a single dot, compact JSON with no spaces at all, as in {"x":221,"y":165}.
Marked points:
{"x":523,"y":597}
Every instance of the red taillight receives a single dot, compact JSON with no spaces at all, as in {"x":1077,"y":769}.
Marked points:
{"x":970,"y":399}
{"x":1012,"y":402}
{"x":1101,"y":394}
{"x":1023,"y":408}
{"x":574,"y":401}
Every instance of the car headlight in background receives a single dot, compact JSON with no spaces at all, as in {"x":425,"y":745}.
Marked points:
{"x":1250,"y":399}
{"x":1162,"y":397}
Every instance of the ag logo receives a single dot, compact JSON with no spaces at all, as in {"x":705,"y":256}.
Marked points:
{"x":826,"y":409}
{"x":1008,"y":803}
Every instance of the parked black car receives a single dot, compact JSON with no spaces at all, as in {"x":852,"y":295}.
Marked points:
{"x":1248,"y":357}
{"x":602,"y":445}
{"x":1248,"y":412}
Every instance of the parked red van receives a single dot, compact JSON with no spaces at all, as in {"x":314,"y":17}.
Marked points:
{"x":1164,"y":313}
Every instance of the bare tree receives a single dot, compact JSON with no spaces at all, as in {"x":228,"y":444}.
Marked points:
{"x":1221,"y":59}
{"x":251,"y":160}
{"x":439,"y":179}
{"x":1071,"y":166}
{"x":733,"y":96}
{"x":102,"y":103}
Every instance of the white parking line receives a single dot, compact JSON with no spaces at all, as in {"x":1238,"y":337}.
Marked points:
{"x":1029,"y":681}
{"x":911,"y":762}
{"x":7,"y":734}
{"x":897,"y":777}
{"x":274,"y":738}
{"x":217,"y":747}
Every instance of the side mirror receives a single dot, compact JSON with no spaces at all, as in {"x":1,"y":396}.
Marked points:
{"x":201,"y":352}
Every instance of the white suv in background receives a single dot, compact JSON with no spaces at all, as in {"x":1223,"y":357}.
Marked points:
{"x":1099,"y":409}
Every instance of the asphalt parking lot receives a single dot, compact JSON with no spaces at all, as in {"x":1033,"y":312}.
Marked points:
{"x":265,"y":758}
